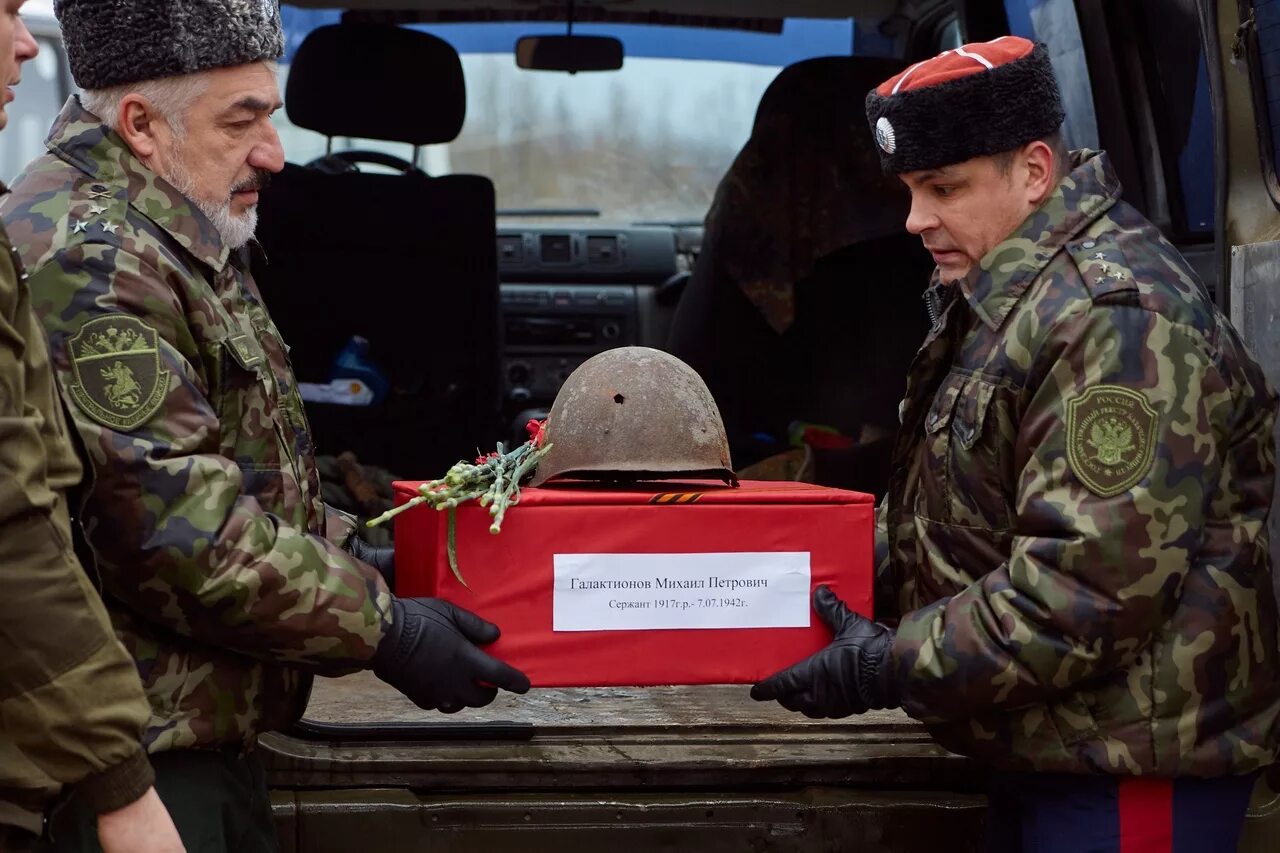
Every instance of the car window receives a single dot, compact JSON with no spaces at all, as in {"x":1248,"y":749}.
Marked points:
{"x":1167,"y":51}
{"x":1171,"y":54}
{"x":1054,"y":22}
{"x":649,"y":142}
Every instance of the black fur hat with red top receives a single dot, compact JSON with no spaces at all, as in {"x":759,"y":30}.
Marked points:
{"x":971,"y":101}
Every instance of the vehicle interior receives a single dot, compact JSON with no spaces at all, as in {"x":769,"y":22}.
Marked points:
{"x":475,"y":204}
{"x":717,"y":196}
{"x":686,"y":200}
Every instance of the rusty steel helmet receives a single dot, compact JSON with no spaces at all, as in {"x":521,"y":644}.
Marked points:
{"x":635,"y":413}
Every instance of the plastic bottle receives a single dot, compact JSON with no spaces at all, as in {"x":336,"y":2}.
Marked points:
{"x":354,"y":362}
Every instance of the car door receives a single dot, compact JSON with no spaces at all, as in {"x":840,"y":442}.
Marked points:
{"x":1242,"y":43}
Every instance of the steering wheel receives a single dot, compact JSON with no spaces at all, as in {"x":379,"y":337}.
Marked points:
{"x":344,"y":162}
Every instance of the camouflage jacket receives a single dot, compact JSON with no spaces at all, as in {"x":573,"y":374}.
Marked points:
{"x":1076,"y":527}
{"x":71,"y":707}
{"x":204,"y":511}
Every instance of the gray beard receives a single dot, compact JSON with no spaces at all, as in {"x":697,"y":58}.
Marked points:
{"x":235,"y":231}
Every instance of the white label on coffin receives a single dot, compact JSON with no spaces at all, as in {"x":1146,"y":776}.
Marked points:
{"x":644,"y":592}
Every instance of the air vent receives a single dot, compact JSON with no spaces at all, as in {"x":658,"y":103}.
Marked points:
{"x":602,"y":250}
{"x":510,"y":249}
{"x":556,"y":249}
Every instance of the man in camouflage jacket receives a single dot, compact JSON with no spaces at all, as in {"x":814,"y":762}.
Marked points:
{"x":226,"y":576}
{"x":1076,"y":530}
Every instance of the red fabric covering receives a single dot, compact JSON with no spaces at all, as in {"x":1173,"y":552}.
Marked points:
{"x":954,"y":64}
{"x":511,"y":574}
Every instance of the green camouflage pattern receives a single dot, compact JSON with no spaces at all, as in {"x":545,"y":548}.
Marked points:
{"x":71,"y":707}
{"x":206,"y":514}
{"x":1076,"y":530}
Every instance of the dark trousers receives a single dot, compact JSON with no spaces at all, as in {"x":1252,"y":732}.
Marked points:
{"x":218,"y":801}
{"x":1044,"y":813}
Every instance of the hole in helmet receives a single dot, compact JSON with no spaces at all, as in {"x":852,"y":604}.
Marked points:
{"x":619,"y":399}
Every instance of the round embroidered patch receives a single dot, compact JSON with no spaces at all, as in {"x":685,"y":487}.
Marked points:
{"x":1110,"y":438}
{"x":886,"y":136}
{"x":118,"y":379}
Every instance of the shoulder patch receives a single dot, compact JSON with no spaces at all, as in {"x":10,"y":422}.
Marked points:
{"x":1103,"y":266}
{"x":116,"y":363}
{"x":1110,"y":438}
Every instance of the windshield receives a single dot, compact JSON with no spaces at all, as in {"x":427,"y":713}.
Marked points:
{"x":649,"y":142}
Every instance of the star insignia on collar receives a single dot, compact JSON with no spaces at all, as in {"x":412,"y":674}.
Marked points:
{"x":1100,"y":257}
{"x":97,"y":210}
{"x":110,"y":227}
{"x":81,"y":226}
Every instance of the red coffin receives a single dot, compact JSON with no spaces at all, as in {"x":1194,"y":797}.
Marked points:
{"x":622,"y":574}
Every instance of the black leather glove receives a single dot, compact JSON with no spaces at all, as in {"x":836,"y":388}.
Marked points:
{"x":382,"y":559}
{"x":850,"y":676}
{"x":429,"y":654}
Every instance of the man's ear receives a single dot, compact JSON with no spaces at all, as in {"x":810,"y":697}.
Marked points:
{"x":1041,"y":171}
{"x":141,"y":127}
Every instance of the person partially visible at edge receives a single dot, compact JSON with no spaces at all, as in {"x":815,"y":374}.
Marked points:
{"x":1075,"y":534}
{"x":225,"y":575}
{"x":71,"y":705}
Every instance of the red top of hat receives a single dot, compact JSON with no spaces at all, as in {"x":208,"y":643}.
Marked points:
{"x":958,"y":62}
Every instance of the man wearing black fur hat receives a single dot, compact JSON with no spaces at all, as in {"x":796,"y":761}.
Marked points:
{"x":1075,"y":533}
{"x":226,"y":576}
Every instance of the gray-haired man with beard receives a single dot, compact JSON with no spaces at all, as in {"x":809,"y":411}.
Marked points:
{"x":225,"y":575}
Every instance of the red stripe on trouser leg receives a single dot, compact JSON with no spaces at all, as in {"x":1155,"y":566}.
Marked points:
{"x":1146,"y":815}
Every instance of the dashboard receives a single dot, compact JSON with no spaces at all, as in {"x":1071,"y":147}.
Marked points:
{"x":569,"y":293}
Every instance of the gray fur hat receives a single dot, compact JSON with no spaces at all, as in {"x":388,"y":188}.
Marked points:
{"x":114,"y":42}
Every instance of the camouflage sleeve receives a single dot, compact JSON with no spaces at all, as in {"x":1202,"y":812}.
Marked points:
{"x":70,"y":698}
{"x":339,"y":526}
{"x":886,"y":583}
{"x":182,"y":540}
{"x":1117,"y":459}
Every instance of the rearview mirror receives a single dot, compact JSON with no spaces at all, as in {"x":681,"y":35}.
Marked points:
{"x":569,"y":53}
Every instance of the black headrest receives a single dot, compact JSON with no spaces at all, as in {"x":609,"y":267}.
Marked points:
{"x":825,"y":89}
{"x":352,"y":80}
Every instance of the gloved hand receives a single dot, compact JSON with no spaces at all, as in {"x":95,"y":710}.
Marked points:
{"x":382,"y":559}
{"x":429,"y":654}
{"x":850,"y":676}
